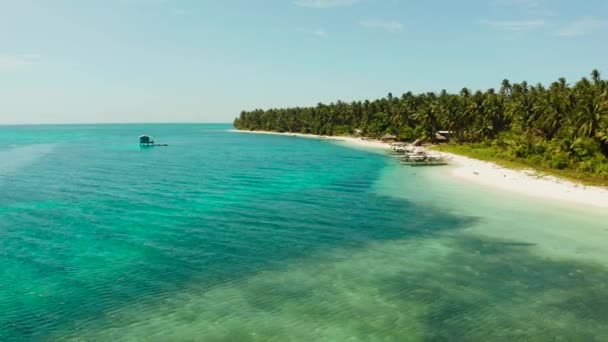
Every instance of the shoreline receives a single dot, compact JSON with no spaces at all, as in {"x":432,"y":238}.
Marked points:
{"x":371,"y":143}
{"x":524,"y":182}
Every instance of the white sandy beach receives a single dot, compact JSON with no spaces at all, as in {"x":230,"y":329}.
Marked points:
{"x":525,"y":182}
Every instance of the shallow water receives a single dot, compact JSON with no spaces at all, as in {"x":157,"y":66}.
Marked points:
{"x":228,"y":236}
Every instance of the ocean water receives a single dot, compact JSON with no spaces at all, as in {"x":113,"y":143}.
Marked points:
{"x":225,"y":236}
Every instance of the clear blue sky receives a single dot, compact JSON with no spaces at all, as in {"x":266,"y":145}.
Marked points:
{"x":205,"y":61}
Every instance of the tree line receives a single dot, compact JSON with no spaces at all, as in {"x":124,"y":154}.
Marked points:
{"x":561,"y":126}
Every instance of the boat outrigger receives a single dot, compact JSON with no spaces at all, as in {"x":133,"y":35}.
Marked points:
{"x":417,"y":156}
{"x":428,"y":159}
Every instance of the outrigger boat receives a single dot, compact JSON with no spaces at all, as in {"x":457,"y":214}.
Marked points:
{"x":420,"y":157}
{"x":426,"y":163}
{"x":417,"y":156}
{"x":401,"y":148}
{"x":423,"y":160}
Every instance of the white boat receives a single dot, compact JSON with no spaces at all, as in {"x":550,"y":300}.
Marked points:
{"x":421,"y":157}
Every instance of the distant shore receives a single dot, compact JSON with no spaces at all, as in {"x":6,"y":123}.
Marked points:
{"x":525,"y":182}
{"x":351,"y":140}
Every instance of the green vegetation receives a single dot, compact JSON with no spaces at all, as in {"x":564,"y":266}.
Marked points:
{"x":563,"y":127}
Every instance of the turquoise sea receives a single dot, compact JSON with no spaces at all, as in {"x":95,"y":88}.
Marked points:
{"x":225,"y":236}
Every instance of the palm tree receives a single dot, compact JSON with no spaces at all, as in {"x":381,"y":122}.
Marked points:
{"x":590,"y":113}
{"x":566,"y":120}
{"x":505,"y":88}
{"x":595,"y":76}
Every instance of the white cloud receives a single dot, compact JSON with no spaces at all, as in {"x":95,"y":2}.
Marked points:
{"x":515,"y":25}
{"x":13,"y":62}
{"x":387,"y":25}
{"x":324,"y":3}
{"x":319,"y":32}
{"x":581,"y":27}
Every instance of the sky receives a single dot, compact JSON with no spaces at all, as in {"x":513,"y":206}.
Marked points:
{"x":89,"y":61}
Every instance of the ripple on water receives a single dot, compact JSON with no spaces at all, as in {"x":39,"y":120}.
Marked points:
{"x":452,"y":287}
{"x":243,"y":237}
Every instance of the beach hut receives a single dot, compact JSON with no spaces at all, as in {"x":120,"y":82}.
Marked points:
{"x":358,"y":131}
{"x":440,"y":138}
{"x":146,"y":140}
{"x":389,"y":138}
{"x":443,"y":136}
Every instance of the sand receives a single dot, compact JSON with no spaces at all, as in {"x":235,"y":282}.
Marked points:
{"x":525,"y":182}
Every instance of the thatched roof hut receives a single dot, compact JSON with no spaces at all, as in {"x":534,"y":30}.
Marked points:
{"x":439,"y":137}
{"x":388,"y":137}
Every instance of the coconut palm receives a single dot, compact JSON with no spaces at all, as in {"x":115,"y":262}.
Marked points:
{"x":523,"y":118}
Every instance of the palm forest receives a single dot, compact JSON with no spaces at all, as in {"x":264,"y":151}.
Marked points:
{"x":561,"y":128}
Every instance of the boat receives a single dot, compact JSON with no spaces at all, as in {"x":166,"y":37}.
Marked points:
{"x":414,"y":155}
{"x":401,"y":148}
{"x":420,"y":157}
{"x":427,"y":163}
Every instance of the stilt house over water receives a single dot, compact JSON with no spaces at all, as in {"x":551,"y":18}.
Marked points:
{"x":146,"y":140}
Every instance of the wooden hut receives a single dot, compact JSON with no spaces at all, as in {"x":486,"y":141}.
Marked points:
{"x":439,"y":138}
{"x":146,"y":140}
{"x":443,"y":136}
